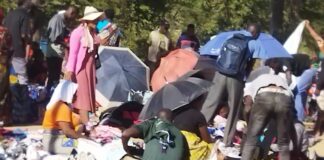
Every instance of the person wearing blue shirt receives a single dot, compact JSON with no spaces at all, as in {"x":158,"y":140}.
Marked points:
{"x":108,"y":18}
{"x":304,"y":81}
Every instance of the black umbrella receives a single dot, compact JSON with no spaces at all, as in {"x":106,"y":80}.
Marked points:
{"x":121,"y":71}
{"x":206,"y":62}
{"x":175,"y":95}
{"x":206,"y":74}
{"x":124,"y":115}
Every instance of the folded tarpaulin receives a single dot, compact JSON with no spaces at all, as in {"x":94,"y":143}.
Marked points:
{"x":293,"y":41}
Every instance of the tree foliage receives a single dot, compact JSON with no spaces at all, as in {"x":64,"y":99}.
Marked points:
{"x":137,"y":18}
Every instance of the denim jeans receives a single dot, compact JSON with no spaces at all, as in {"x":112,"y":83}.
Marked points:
{"x":267,"y":106}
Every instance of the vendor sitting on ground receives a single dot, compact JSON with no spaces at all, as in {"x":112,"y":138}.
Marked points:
{"x":193,"y":126}
{"x":163,"y":141}
{"x":60,"y":122}
{"x":60,"y":117}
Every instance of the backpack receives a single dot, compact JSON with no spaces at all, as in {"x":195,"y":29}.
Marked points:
{"x":234,"y":55}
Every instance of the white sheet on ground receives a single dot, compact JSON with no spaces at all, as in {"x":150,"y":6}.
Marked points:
{"x":109,"y":151}
{"x":293,"y":41}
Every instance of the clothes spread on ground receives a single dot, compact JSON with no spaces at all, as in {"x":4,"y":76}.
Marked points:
{"x":219,"y":122}
{"x":109,"y":151}
{"x":105,"y":134}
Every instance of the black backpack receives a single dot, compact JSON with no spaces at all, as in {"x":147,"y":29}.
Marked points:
{"x":234,"y":55}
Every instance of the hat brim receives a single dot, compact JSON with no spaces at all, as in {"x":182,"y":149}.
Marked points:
{"x":91,"y":17}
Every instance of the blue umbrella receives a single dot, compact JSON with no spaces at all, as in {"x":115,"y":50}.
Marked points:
{"x":213,"y":46}
{"x":271,"y":48}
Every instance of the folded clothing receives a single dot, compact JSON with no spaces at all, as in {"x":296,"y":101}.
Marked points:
{"x":105,"y":134}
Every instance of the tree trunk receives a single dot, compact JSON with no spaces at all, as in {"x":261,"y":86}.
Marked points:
{"x":277,"y":7}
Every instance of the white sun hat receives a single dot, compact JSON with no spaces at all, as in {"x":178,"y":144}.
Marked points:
{"x":91,"y":14}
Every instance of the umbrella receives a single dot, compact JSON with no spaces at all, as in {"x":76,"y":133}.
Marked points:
{"x":173,"y":66}
{"x":271,"y":48}
{"x":121,"y":71}
{"x":175,"y":95}
{"x":213,"y":46}
{"x":124,"y":115}
{"x":206,"y":62}
{"x":207,"y":74}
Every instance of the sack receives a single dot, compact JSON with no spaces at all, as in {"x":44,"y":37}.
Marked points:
{"x":234,"y":55}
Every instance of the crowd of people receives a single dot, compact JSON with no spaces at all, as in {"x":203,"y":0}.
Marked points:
{"x":271,"y":96}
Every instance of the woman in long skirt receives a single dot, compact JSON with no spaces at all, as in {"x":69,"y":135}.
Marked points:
{"x":80,"y":66}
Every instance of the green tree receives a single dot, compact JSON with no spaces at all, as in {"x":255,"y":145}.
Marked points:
{"x":137,"y":18}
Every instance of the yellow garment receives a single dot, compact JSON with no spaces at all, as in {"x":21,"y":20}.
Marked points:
{"x":60,"y":112}
{"x":13,"y":79}
{"x":199,"y":149}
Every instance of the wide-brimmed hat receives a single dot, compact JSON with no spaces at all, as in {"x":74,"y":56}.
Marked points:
{"x":91,"y":14}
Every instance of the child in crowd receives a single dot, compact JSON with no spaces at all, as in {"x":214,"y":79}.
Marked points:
{"x":220,"y":119}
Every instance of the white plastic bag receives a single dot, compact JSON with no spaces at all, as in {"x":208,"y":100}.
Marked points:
{"x":64,"y":91}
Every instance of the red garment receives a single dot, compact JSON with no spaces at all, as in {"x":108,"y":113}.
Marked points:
{"x":86,"y":80}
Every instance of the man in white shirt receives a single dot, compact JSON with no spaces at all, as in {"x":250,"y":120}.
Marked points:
{"x":270,"y":98}
{"x":160,"y":43}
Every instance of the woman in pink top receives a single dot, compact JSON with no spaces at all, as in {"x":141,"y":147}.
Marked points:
{"x":80,"y":66}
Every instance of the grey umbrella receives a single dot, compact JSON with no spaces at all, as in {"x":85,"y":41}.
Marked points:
{"x":121,"y":71}
{"x":175,"y":95}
